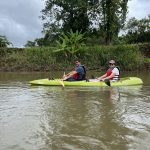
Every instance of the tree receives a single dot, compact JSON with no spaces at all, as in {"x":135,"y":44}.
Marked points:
{"x":64,"y":15}
{"x":4,"y":41}
{"x":30,"y":44}
{"x":113,"y":18}
{"x":85,"y":15}
{"x":137,"y":30}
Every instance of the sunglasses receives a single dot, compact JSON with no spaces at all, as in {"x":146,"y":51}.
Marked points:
{"x":111,"y":64}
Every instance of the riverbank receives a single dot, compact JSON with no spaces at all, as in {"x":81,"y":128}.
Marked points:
{"x":128,"y":57}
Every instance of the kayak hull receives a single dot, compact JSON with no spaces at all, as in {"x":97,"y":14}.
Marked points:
{"x":128,"y":81}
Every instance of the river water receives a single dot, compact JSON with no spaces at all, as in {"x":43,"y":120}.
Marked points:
{"x":73,"y":118}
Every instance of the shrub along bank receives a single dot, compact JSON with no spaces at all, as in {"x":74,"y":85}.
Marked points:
{"x":128,"y":57}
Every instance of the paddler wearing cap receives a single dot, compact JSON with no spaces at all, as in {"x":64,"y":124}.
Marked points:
{"x":112,"y":73}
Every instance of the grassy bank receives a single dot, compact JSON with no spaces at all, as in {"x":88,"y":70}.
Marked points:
{"x":128,"y":57}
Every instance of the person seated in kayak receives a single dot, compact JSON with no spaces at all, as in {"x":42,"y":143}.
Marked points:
{"x":78,"y":74}
{"x":112,"y":73}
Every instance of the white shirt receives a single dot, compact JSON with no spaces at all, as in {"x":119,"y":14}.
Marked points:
{"x":115,"y":71}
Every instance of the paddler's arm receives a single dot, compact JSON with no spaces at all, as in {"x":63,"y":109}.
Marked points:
{"x":65,"y":75}
{"x":69,"y":75}
{"x":102,"y":77}
{"x":109,"y":77}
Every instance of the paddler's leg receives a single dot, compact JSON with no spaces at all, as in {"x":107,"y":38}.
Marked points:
{"x":70,"y":79}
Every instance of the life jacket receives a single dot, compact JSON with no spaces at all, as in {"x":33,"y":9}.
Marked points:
{"x":84,"y":75}
{"x":109,"y":72}
{"x":75,"y":76}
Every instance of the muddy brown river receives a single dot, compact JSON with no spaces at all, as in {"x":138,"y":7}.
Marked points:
{"x":73,"y":118}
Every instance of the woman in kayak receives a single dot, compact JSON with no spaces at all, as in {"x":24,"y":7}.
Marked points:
{"x":78,"y":74}
{"x":112,"y":73}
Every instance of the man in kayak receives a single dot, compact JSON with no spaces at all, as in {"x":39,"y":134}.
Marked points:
{"x":78,"y":74}
{"x":112,"y":73}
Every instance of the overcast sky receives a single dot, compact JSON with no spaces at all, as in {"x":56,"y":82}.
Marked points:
{"x":20,"y":22}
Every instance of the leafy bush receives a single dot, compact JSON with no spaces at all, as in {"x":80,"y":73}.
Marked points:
{"x":70,"y":44}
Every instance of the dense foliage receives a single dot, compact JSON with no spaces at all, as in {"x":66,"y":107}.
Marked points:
{"x":128,"y":57}
{"x":137,"y":30}
{"x":99,"y":20}
{"x":102,"y":17}
{"x":113,"y":18}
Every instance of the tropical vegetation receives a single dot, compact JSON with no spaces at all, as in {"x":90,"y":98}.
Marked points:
{"x":92,"y":30}
{"x":128,"y":57}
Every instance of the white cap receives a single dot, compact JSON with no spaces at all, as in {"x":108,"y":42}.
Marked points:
{"x":112,"y":61}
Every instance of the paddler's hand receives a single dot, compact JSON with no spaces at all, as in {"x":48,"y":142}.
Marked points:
{"x":99,"y":79}
{"x":104,"y":79}
{"x":65,"y":77}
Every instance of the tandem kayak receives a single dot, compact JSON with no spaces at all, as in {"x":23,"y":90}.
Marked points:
{"x":127,"y":81}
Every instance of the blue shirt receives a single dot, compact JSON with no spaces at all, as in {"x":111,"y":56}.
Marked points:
{"x":80,"y":72}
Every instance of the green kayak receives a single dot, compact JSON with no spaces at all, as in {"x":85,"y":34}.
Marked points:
{"x":128,"y":81}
